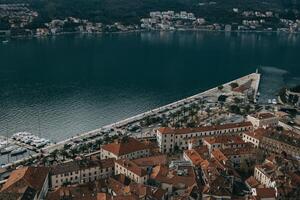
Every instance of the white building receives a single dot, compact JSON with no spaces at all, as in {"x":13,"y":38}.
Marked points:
{"x":125,"y":148}
{"x":81,"y":171}
{"x":223,"y":142}
{"x":263,"y":174}
{"x":170,"y":139}
{"x":263,"y":120}
{"x":131,"y":171}
{"x":255,"y":137}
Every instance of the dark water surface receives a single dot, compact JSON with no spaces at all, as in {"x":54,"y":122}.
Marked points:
{"x":79,"y":83}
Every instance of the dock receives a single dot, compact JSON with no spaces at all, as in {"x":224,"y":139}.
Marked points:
{"x":98,"y":133}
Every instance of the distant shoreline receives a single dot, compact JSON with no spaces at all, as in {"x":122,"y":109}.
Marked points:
{"x":147,"y":31}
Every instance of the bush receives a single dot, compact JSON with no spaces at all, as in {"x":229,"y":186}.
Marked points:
{"x":234,"y":85}
{"x":222,"y":98}
{"x":235,"y":109}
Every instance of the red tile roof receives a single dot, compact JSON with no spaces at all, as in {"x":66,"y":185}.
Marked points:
{"x":125,"y":147}
{"x":197,"y":155}
{"x":263,"y":193}
{"x":20,"y":179}
{"x":263,"y":115}
{"x":252,"y":182}
{"x":224,"y":140}
{"x":78,"y":192}
{"x":163,"y":174}
{"x":131,"y":166}
{"x":217,"y":154}
{"x":167,"y":130}
{"x":151,"y":161}
{"x":247,"y":150}
{"x":258,"y":133}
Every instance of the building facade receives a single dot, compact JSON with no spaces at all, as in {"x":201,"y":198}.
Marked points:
{"x":131,"y":171}
{"x":263,"y":120}
{"x":129,"y":148}
{"x":279,"y":143}
{"x":255,"y":137}
{"x":81,"y":171}
{"x":170,"y":139}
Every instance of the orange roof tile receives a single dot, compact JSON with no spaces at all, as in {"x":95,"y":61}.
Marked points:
{"x":33,"y":177}
{"x":151,"y":161}
{"x":263,"y":115}
{"x":217,"y":154}
{"x":167,"y":130}
{"x":125,"y":147}
{"x":224,"y":140}
{"x":258,"y":133}
{"x":131,"y":166}
{"x":252,"y":182}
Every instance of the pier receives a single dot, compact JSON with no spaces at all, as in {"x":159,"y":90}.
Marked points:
{"x":98,"y":133}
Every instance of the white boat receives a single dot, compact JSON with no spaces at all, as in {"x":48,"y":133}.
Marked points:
{"x":18,"y":151}
{"x":269,"y":101}
{"x":8,"y":149}
{"x":274,"y":101}
{"x":5,"y":41}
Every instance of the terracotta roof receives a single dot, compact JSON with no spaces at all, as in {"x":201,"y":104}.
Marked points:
{"x":197,"y":155}
{"x":131,"y":166}
{"x":217,"y":154}
{"x":265,"y":193}
{"x":267,"y":168}
{"x":78,"y":192}
{"x":104,"y":196}
{"x":151,"y":161}
{"x":263,"y":115}
{"x":224,"y":140}
{"x":76,"y":165}
{"x":220,"y":187}
{"x":163,"y":174}
{"x":25,"y":179}
{"x":134,"y":190}
{"x":159,"y":193}
{"x":125,"y":147}
{"x":167,"y":130}
{"x":116,"y":186}
{"x":159,"y":170}
{"x":258,"y":133}
{"x":238,"y":151}
{"x":252,"y":182}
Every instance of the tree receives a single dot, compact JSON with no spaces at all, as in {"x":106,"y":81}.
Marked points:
{"x":234,"y":109}
{"x":234,"y":85}
{"x":54,"y":154}
{"x":237,"y":100}
{"x":220,"y":87}
{"x":222,"y":98}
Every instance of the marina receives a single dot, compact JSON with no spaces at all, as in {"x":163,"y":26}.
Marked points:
{"x":130,"y":126}
{"x":20,"y":146}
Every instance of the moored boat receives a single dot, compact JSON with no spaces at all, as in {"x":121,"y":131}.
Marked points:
{"x":8,"y":149}
{"x":18,"y":151}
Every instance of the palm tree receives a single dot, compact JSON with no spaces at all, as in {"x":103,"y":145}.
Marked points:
{"x":98,"y":143}
{"x":54,"y":154}
{"x":63,"y":153}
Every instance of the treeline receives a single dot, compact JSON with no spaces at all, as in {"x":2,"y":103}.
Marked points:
{"x":130,"y":11}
